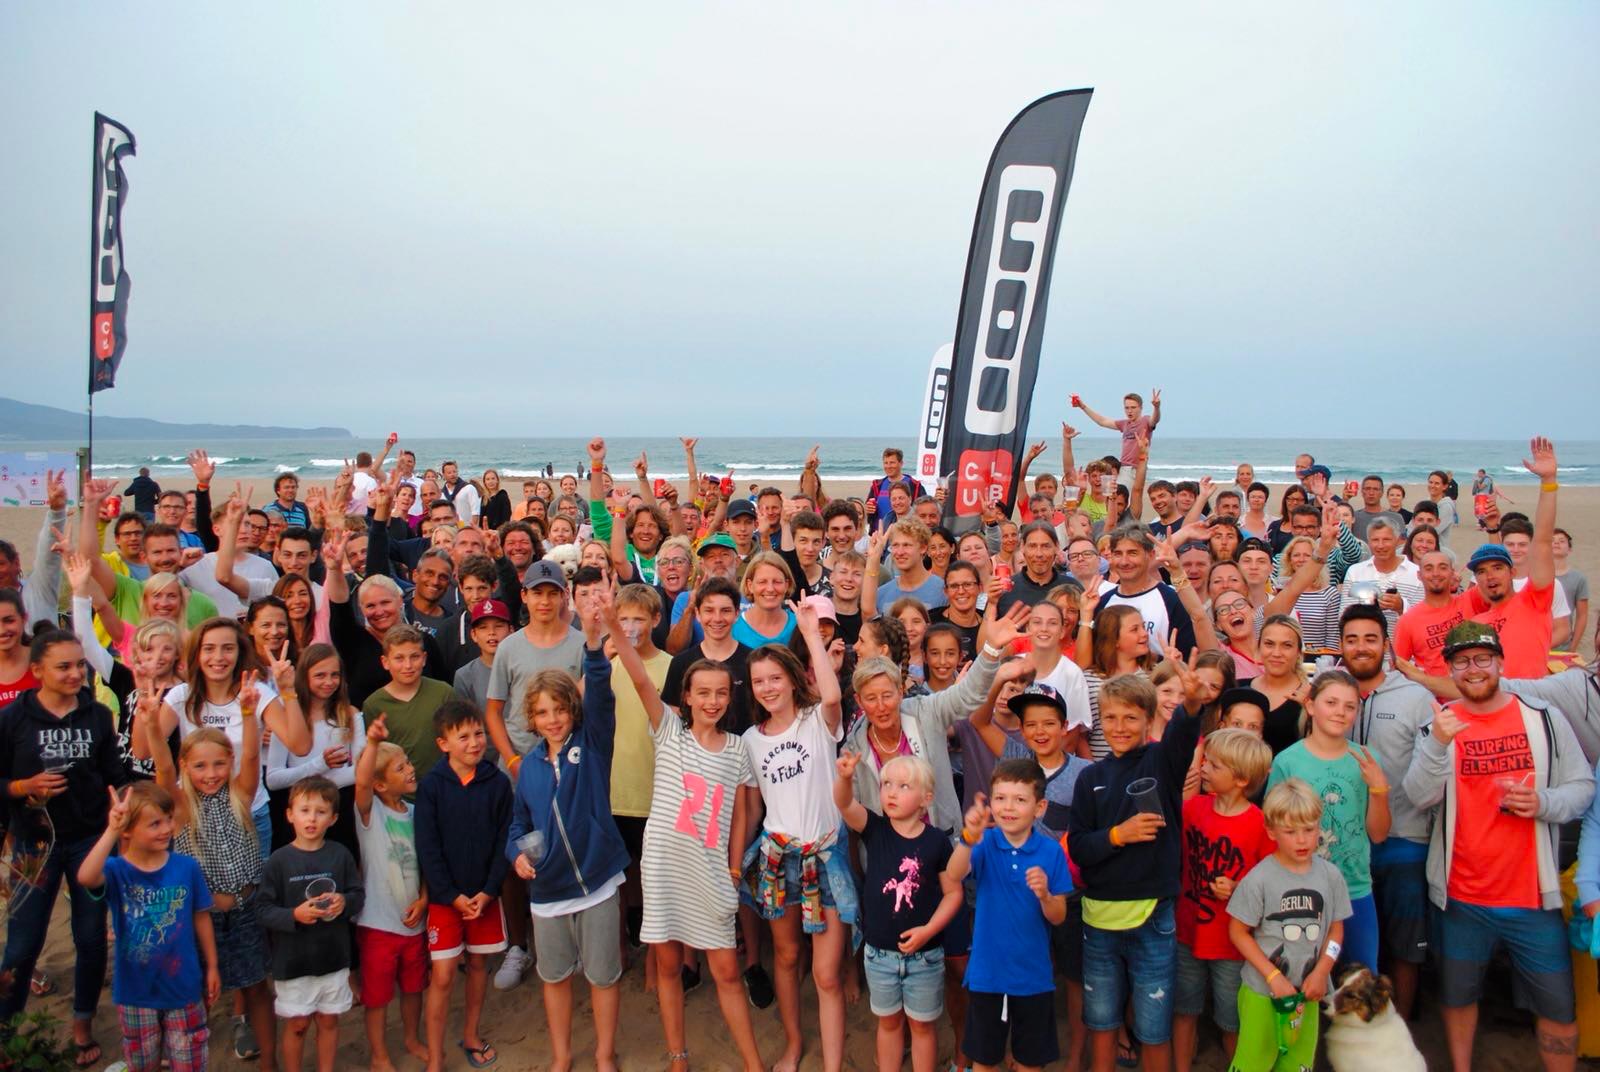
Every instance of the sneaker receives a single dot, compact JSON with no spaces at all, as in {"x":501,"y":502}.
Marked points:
{"x":245,"y":1046}
{"x":758,"y":987}
{"x":512,"y":969}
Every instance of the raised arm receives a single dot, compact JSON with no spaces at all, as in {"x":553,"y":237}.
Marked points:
{"x":811,"y":478}
{"x":367,"y":766}
{"x":1068,"y":464}
{"x":1205,"y":634}
{"x":869,"y":576}
{"x":1092,"y":415}
{"x":693,"y":482}
{"x":233,"y":514}
{"x":204,"y":469}
{"x":1155,"y":407}
{"x":1283,"y":601}
{"x":1022,"y":473}
{"x":1541,"y":559}
{"x":982,"y":719}
{"x":649,"y":696}
{"x":851,"y":810}
{"x":1136,"y":493}
{"x":828,"y":693}
{"x":94,"y":494}
{"x":599,"y":508}
{"x":42,"y":596}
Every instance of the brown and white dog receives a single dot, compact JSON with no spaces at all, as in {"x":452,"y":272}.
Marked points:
{"x":1366,"y":1034}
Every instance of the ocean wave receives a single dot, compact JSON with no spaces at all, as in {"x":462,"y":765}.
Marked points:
{"x":1559,"y":469}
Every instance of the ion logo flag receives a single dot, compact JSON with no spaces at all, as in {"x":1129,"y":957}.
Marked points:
{"x":108,"y":282}
{"x":1000,"y":324}
{"x":930,"y":433}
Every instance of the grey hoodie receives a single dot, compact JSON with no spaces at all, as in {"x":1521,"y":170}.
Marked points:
{"x":1566,"y":786}
{"x":926,"y":721}
{"x":1391,"y":718}
{"x":1576,"y":694}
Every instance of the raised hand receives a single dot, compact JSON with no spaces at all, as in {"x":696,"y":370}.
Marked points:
{"x":805,"y":617}
{"x":1371,"y":773}
{"x":846,"y":764}
{"x":1155,"y":396}
{"x":597,"y":453}
{"x":978,"y":817}
{"x":333,"y":544}
{"x":249,"y":694}
{"x":97,"y":490}
{"x":117,"y":816}
{"x":55,"y":484}
{"x":641,"y":465}
{"x":378,"y":731}
{"x":79,"y":570}
{"x":689,"y":443}
{"x":1207,"y":486}
{"x":1004,"y":630}
{"x":813,"y":459}
{"x":1035,"y":450}
{"x":1068,"y":432}
{"x":201,"y":465}
{"x":1543,"y":462}
{"x":1446,"y":724}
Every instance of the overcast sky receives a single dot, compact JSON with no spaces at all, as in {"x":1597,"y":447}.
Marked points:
{"x":496,"y":219}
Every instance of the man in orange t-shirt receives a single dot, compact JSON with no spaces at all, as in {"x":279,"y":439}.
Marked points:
{"x":1419,"y":635}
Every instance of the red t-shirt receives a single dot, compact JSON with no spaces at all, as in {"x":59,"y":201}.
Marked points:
{"x":10,"y":690}
{"x":1524,"y":625}
{"x":1494,"y":862}
{"x":1215,"y":845}
{"x":1420,"y":634}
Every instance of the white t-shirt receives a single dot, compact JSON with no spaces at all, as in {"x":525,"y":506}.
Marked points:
{"x":224,"y":717}
{"x":361,"y":485}
{"x":284,"y":768}
{"x":1560,"y":605}
{"x":468,"y":504}
{"x":1152,"y":607}
{"x":389,"y":867}
{"x":1405,"y":578}
{"x":794,"y":770}
{"x":202,"y":577}
{"x":1069,"y":681}
{"x":416,"y":502}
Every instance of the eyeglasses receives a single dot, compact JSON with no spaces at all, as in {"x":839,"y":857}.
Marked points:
{"x":1293,"y":931}
{"x":1482,"y":660}
{"x":961,"y":586}
{"x":1081,"y":556}
{"x":1229,"y":608}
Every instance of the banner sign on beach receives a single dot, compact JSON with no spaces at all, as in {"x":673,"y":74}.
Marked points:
{"x":1000,"y":324}
{"x":930,"y":433}
{"x":108,"y":282}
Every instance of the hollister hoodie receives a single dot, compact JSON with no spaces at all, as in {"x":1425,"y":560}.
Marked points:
{"x":31,"y":738}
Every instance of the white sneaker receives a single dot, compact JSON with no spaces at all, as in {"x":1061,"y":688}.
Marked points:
{"x":512,"y":969}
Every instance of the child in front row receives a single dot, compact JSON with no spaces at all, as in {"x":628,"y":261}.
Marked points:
{"x":310,"y":890}
{"x":463,"y":812}
{"x":212,"y":823}
{"x":908,"y":898}
{"x":1224,"y":836}
{"x":158,"y":901}
{"x":563,"y":793}
{"x":389,"y":929}
{"x":1023,"y":883}
{"x":1124,"y":838}
{"x":1286,"y":920}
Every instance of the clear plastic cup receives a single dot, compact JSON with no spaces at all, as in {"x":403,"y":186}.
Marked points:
{"x":1146,"y":794}
{"x":531,"y":846}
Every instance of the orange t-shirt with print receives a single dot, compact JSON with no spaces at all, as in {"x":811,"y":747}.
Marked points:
{"x":1523,"y":625}
{"x":1419,"y":635}
{"x":1495,"y":863}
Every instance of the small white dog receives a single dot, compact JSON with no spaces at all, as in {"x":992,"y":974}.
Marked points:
{"x":566,"y":556}
{"x":1366,"y":1034}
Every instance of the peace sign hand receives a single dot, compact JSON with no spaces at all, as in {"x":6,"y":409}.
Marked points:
{"x":117,"y":815}
{"x":249,"y":694}
{"x":282,"y":669}
{"x":1371,"y":773}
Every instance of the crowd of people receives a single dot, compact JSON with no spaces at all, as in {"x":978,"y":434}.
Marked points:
{"x":1150,"y":746}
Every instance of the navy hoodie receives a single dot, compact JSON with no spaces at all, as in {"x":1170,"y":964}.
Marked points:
{"x":460,"y":829}
{"x":1100,"y":800}
{"x":86,"y":737}
{"x":583,"y":850}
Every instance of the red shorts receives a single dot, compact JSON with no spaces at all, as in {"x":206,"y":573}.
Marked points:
{"x":387,"y":957}
{"x":449,"y":935}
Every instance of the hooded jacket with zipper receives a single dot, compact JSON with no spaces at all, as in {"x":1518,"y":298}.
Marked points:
{"x":570,"y":800}
{"x":1100,"y":800}
{"x":1562,"y":776}
{"x":31,"y":737}
{"x":460,"y":827}
{"x":926,"y":720}
{"x":1391,"y":719}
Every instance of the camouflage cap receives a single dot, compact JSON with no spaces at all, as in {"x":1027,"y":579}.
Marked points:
{"x":1472,"y":635}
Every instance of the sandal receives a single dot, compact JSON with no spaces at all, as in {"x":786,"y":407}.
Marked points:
{"x":88,"y":1053}
{"x":1128,"y":1053}
{"x":482,"y":1057}
{"x":41,"y":985}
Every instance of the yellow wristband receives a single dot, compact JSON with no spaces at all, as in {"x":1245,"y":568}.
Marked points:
{"x":1551,"y":486}
{"x":970,"y":838}
{"x":1274,"y":975}
{"x":1378,"y":789}
{"x":1115,"y":843}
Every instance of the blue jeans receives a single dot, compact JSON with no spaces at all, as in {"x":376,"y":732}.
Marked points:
{"x":1143,"y":960}
{"x":30,"y":921}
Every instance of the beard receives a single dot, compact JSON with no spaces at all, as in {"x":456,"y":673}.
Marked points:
{"x":1478,"y":691}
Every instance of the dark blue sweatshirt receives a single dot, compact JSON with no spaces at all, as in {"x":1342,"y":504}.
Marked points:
{"x":32,"y":738}
{"x":460,"y":829}
{"x":1100,"y":800}
{"x":583,"y":849}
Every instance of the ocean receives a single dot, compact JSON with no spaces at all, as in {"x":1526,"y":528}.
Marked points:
{"x":849,"y":458}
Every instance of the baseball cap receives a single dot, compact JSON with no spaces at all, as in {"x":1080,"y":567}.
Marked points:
{"x":1489,"y":552}
{"x":490,"y":608}
{"x":1252,"y":543}
{"x":544,"y":572}
{"x":716,"y":539}
{"x":741,"y":508}
{"x":1245,"y":695}
{"x":1471,"y":635}
{"x":1317,"y":470}
{"x":1037,"y":694}
{"x":824,"y":608}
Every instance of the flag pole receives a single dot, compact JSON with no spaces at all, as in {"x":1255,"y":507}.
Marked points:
{"x":94,"y":246}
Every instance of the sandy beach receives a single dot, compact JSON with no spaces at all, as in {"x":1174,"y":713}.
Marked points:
{"x":514,"y":1020}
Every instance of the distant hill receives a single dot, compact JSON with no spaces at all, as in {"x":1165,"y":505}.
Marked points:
{"x":24,"y":420}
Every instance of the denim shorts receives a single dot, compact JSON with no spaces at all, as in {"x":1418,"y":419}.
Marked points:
{"x":1536,"y":939}
{"x":1220,"y":977}
{"x":242,"y":955}
{"x":1141,"y":961}
{"x":910,"y":981}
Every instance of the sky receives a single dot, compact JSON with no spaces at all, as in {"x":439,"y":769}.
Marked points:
{"x":501,"y":219}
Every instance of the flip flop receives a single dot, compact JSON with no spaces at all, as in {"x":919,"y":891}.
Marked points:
{"x":41,"y":985}
{"x":88,"y":1053}
{"x":482,"y":1057}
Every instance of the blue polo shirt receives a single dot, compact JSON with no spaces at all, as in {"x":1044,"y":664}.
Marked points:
{"x":1011,"y":937}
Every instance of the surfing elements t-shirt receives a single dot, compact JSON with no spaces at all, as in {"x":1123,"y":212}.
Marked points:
{"x":152,"y":912}
{"x":1494,"y":861}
